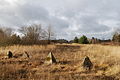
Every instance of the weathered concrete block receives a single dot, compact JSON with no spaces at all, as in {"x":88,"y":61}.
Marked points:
{"x":10,"y":54}
{"x":25,"y":55}
{"x":50,"y":59}
{"x":87,"y":64}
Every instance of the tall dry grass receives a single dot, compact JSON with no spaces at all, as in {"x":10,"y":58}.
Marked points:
{"x":105,"y":58}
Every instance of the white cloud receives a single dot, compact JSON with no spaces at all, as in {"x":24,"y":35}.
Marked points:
{"x":70,"y":18}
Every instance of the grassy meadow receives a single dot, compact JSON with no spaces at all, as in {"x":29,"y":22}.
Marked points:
{"x":105,"y":59}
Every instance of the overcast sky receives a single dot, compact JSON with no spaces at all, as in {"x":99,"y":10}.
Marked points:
{"x":69,"y":18}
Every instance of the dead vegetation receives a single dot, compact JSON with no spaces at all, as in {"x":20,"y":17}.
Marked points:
{"x":105,"y":59}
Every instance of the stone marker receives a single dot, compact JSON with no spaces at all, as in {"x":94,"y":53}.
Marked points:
{"x":10,"y":54}
{"x":50,"y":59}
{"x":25,"y":55}
{"x":87,"y":64}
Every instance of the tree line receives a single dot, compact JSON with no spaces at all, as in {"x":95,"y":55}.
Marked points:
{"x":84,"y":40}
{"x":36,"y":34}
{"x":31,"y":34}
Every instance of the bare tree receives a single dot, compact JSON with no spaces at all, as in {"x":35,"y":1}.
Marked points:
{"x":5,"y":34}
{"x":116,"y":35}
{"x":32,"y":33}
{"x":2,"y":34}
{"x":8,"y":31}
{"x":50,"y":34}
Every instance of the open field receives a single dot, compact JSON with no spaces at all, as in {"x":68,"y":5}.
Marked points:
{"x":105,"y":58}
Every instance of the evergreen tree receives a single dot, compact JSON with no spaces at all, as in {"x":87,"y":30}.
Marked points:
{"x":76,"y":40}
{"x":83,"y":40}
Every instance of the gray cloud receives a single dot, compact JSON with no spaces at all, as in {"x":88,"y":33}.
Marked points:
{"x":69,"y":18}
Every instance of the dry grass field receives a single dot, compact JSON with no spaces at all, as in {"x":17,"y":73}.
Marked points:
{"x":105,"y":59}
